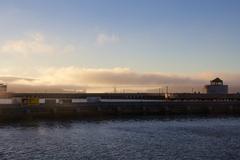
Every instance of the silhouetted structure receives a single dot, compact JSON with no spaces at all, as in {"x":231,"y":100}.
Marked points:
{"x":217,"y":87}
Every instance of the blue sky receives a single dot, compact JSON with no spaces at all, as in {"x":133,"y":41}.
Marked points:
{"x":183,"y":37}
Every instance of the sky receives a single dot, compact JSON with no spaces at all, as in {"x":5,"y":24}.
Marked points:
{"x":110,"y":43}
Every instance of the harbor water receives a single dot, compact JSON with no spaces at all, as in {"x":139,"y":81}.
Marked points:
{"x":129,"y":138}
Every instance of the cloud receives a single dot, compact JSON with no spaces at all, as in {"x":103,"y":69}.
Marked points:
{"x":14,"y":79}
{"x":115,"y":76}
{"x":101,"y":79}
{"x":104,"y":39}
{"x":107,"y":77}
{"x":34,"y":43}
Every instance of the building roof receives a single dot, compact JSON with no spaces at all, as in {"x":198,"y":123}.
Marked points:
{"x":217,"y":80}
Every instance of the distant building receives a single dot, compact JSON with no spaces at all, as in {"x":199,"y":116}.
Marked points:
{"x":217,"y":87}
{"x":3,"y":88}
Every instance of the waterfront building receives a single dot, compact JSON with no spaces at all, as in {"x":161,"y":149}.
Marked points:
{"x":216,"y":87}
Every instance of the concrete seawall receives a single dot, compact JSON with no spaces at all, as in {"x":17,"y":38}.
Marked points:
{"x":99,"y":109}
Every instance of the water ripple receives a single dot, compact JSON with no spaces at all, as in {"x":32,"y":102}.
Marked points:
{"x":210,"y":138}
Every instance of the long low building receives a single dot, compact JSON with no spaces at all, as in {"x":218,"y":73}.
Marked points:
{"x":85,"y":95}
{"x":200,"y":97}
{"x":146,"y":96}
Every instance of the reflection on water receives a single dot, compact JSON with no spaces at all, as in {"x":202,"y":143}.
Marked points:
{"x":181,"y":138}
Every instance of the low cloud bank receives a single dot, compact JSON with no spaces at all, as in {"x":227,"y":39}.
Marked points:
{"x":115,"y":76}
{"x":89,"y":78}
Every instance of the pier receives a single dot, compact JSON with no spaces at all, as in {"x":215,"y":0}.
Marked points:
{"x":216,"y":101}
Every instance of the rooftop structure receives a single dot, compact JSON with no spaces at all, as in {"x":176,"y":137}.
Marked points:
{"x":216,"y":81}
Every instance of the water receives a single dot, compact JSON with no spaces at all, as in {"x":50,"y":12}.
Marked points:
{"x":152,"y":138}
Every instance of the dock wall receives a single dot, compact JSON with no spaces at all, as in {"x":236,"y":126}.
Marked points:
{"x":99,"y":109}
